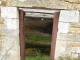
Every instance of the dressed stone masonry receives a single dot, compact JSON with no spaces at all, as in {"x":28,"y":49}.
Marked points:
{"x":10,"y":41}
{"x":68,"y":36}
{"x":67,"y":42}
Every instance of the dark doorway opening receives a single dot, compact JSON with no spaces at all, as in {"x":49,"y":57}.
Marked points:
{"x":43,"y":30}
{"x":38,"y":33}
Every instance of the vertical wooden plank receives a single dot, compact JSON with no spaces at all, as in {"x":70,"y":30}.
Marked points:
{"x":54,"y":35}
{"x":21,"y":31}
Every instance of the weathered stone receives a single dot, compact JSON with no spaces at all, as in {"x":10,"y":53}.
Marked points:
{"x":77,"y":6}
{"x":13,"y":55}
{"x":9,"y":32}
{"x":74,"y":30}
{"x":1,"y":36}
{"x":6,"y":2}
{"x":1,"y":21}
{"x":68,"y":16}
{"x":9,"y":12}
{"x":67,"y":37}
{"x":12,"y":23}
{"x":70,"y":6}
{"x":73,"y":44}
{"x":10,"y":44}
{"x":2,"y":26}
{"x":63,"y":27}
{"x":72,"y":50}
{"x":74,"y":25}
{"x":56,"y":4}
{"x":0,"y":2}
{"x":60,"y":48}
{"x":73,"y":1}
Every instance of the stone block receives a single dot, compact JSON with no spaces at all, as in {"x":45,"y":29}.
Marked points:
{"x":6,"y":3}
{"x":72,"y":50}
{"x":13,"y":55}
{"x":63,"y":27}
{"x":77,"y":6}
{"x":9,"y":32}
{"x":9,"y":12}
{"x":60,"y":48}
{"x":1,"y":21}
{"x":74,"y":30}
{"x":74,"y":44}
{"x":73,"y":1}
{"x":67,"y":37}
{"x":70,"y":6}
{"x":0,"y":2}
{"x":74,"y":25}
{"x":2,"y":26}
{"x":12,"y":23}
{"x":10,"y":44}
{"x":56,"y":4}
{"x":22,"y":0}
{"x":13,"y":40}
{"x":69,"y":16}
{"x":1,"y":37}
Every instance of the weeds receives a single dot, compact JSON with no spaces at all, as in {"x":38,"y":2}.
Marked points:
{"x":38,"y":57}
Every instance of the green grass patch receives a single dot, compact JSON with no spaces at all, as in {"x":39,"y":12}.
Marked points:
{"x":38,"y":58}
{"x":37,"y":38}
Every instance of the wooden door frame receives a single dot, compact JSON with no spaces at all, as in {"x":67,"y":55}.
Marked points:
{"x":21,"y":34}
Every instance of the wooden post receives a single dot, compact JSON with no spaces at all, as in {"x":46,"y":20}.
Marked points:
{"x":54,"y":35}
{"x":21,"y":32}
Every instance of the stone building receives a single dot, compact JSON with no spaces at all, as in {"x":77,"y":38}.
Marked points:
{"x":68,"y":36}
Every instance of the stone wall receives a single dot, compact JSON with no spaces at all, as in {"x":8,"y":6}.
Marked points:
{"x":68,"y":38}
{"x":51,"y":4}
{"x":9,"y":34}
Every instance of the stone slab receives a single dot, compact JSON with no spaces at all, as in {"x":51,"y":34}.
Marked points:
{"x":56,"y":4}
{"x":1,"y":21}
{"x":11,"y":23}
{"x":77,"y":6}
{"x":73,"y":44}
{"x":2,"y":26}
{"x":74,"y":30}
{"x":74,"y":25}
{"x":9,"y":12}
{"x":9,"y":32}
{"x":10,"y":44}
{"x":69,"y":37}
{"x":73,"y":1}
{"x":72,"y":50}
{"x":63,"y":27}
{"x":60,"y":48}
{"x":69,"y":16}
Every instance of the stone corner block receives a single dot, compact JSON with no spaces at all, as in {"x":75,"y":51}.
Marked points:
{"x":69,"y":16}
{"x":63,"y":27}
{"x":12,"y":23}
{"x":9,"y":12}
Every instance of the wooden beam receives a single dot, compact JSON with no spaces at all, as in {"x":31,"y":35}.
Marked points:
{"x":39,"y":15}
{"x":21,"y":34}
{"x":39,"y":10}
{"x":54,"y":35}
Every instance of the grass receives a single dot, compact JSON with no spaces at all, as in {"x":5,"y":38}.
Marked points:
{"x":37,"y":38}
{"x":38,"y":58}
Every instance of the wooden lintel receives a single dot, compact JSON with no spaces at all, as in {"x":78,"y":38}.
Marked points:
{"x":39,"y":10}
{"x":39,"y":15}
